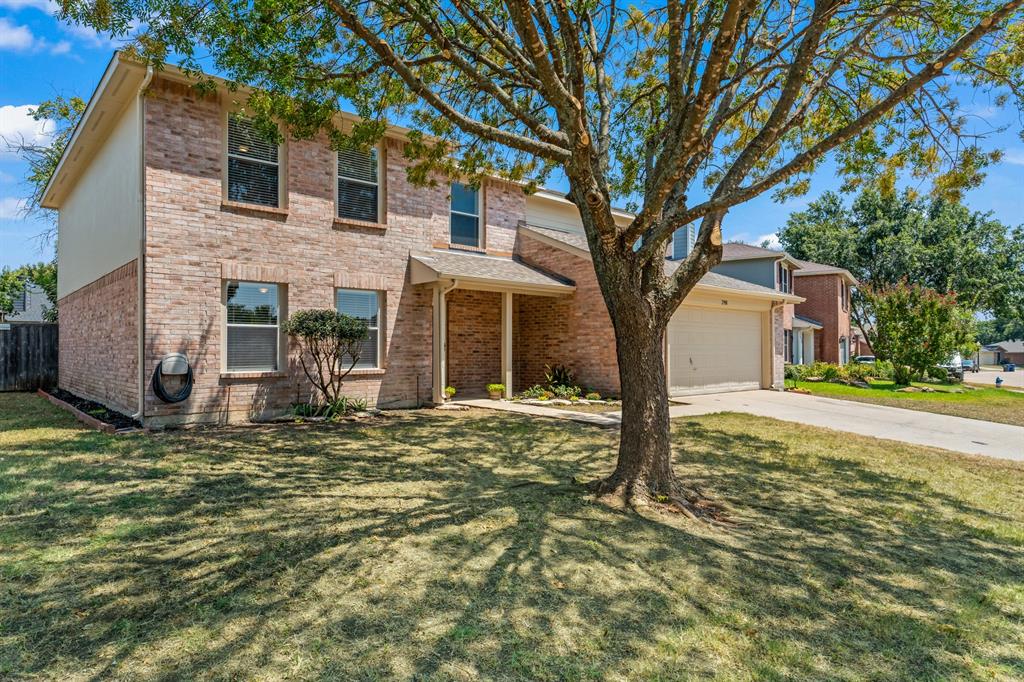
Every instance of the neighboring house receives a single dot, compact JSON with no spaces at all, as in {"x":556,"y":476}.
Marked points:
{"x":817,"y":329}
{"x":30,"y":306}
{"x":1001,"y":352}
{"x":181,"y":231}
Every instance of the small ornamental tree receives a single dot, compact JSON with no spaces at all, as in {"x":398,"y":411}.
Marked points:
{"x":917,"y":328}
{"x":330,"y":344}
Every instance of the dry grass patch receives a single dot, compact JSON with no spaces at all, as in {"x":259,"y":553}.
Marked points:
{"x":453,"y":546}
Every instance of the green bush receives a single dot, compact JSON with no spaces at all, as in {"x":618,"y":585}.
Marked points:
{"x":857,"y":372}
{"x":332,"y":341}
{"x":883,"y":370}
{"x":938,"y":373}
{"x":535,"y":392}
{"x":794,"y":372}
{"x":568,"y":392}
{"x":902,"y":375}
{"x":495,"y":388}
{"x":559,"y":375}
{"x":593,"y":395}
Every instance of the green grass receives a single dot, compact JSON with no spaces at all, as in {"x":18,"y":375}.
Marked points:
{"x":453,"y":546}
{"x":990,"y":404}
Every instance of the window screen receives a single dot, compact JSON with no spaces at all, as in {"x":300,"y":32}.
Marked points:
{"x":465,"y":215}
{"x":364,"y":305}
{"x":252,"y":165}
{"x":252,"y":327}
{"x":358,"y":185}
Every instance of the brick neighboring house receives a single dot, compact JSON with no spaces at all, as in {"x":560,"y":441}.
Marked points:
{"x":817,"y":329}
{"x":1002,"y":352}
{"x":181,"y":231}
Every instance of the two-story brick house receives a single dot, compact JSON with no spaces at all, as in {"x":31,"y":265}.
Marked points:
{"x":816,"y":329}
{"x":183,"y":231}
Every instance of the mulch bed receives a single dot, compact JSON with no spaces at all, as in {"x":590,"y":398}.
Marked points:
{"x":115,"y":420}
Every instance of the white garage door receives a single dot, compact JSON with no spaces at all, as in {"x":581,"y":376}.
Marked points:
{"x":714,"y":350}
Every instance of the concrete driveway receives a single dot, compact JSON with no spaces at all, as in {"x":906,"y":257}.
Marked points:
{"x":971,"y":436}
{"x":987,"y":377}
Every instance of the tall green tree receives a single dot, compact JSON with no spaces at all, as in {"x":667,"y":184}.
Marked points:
{"x":884,"y":238}
{"x":917,"y":328}
{"x":1001,"y":329}
{"x":683,"y":108}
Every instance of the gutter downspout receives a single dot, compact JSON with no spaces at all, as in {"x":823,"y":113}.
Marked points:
{"x":140,"y":270}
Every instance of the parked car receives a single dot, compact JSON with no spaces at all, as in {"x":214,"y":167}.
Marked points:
{"x":970,"y":365}
{"x":954,"y":367}
{"x":864,"y":359}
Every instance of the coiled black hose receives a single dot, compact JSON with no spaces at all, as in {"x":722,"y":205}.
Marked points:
{"x":161,"y":392}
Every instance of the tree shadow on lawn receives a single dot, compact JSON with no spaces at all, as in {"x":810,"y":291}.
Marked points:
{"x":454,"y":547}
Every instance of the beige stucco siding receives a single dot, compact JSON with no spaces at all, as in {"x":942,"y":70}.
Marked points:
{"x":100,"y":222}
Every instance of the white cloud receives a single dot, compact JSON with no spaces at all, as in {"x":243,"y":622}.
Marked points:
{"x":6,"y":178}
{"x":13,"y":37}
{"x":48,"y":6}
{"x":11,"y":208}
{"x":1014,"y":157}
{"x":772,"y":239}
{"x":17,"y":126}
{"x":20,"y":38}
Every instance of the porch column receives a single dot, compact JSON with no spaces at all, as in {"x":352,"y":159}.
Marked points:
{"x":809,"y":348}
{"x":506,"y":341}
{"x":440,"y":343}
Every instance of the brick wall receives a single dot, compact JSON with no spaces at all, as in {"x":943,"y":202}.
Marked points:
{"x":98,"y":346}
{"x":193,"y":242}
{"x":474,"y":341}
{"x":823,"y":305}
{"x":575,"y":331}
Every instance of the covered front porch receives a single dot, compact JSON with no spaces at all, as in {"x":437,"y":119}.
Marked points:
{"x":803,"y":340}
{"x":488,"y":315}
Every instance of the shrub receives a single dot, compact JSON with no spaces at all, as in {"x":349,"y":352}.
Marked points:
{"x":857,"y":372}
{"x":902,"y":375}
{"x":883,"y":369}
{"x":449,"y":392}
{"x":938,"y":373}
{"x":537,"y":391}
{"x":559,"y":375}
{"x":332,"y":341}
{"x":495,"y":388}
{"x":566,"y":391}
{"x":794,"y":372}
{"x":593,"y":395}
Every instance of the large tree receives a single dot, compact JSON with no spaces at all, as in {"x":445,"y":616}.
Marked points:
{"x":683,"y":108}
{"x":884,"y":238}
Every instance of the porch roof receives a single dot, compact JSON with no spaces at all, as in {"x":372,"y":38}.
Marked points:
{"x":801,"y":322}
{"x":489,"y":272}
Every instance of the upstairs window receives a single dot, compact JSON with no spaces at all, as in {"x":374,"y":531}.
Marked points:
{"x":365,"y":306}
{"x":253,"y":166}
{"x":844,"y":295}
{"x":785,"y":277}
{"x":465,"y":215}
{"x":253,"y":334}
{"x":359,"y":185}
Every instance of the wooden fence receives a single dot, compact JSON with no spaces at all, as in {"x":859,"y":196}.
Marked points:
{"x":28,"y":356}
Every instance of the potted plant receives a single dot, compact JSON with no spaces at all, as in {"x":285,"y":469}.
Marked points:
{"x":496,"y":391}
{"x":449,"y":392}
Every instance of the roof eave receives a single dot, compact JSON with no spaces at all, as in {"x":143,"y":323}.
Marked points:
{"x":767,"y":294}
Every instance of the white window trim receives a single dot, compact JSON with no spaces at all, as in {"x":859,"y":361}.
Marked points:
{"x":281,"y":163}
{"x":379,"y":328}
{"x":379,"y":185}
{"x":479,"y":216}
{"x":282,"y":297}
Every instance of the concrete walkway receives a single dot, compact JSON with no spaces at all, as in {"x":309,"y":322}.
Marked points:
{"x":970,"y":436}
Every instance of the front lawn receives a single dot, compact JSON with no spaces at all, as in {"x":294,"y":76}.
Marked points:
{"x":453,"y":546}
{"x":990,"y":404}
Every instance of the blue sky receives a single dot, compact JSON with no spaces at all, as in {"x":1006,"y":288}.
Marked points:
{"x":41,"y":57}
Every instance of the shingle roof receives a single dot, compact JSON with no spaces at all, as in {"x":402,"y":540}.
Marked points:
{"x":1008,"y":346}
{"x":808,"y":320}
{"x":737,"y":251}
{"x":573,"y":239}
{"x":455,"y":264}
{"x":711,"y":279}
{"x":811,"y":268}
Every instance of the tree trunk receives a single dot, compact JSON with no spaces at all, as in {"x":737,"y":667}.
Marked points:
{"x":643,"y":474}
